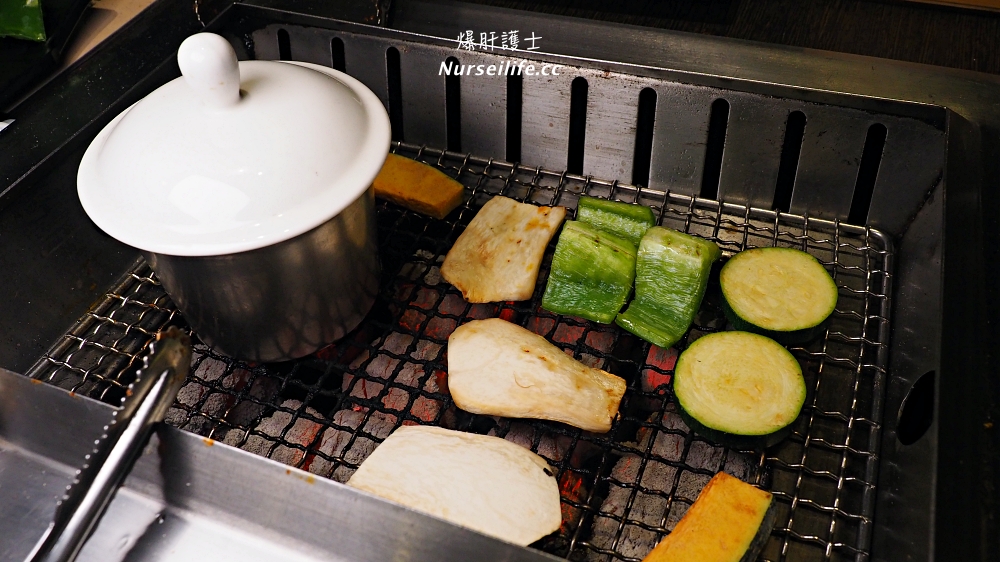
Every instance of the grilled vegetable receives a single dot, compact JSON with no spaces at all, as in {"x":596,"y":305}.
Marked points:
{"x":22,"y":19}
{"x":620,"y":219}
{"x":498,"y":256}
{"x":739,"y":389}
{"x":729,"y":522}
{"x":455,"y":476}
{"x":781,"y":293}
{"x":591,"y":275}
{"x":671,"y":273}
{"x":500,"y":369}
{"x":417,"y":187}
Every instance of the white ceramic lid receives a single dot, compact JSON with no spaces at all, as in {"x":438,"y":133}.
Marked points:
{"x":233,"y":156}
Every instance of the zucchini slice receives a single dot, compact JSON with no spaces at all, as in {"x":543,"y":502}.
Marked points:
{"x":729,"y":522}
{"x":739,"y":389}
{"x":782,"y":293}
{"x":671,"y":273}
{"x":621,"y":219}
{"x":591,"y":275}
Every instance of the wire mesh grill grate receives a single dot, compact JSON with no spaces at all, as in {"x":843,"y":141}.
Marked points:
{"x":621,"y":491}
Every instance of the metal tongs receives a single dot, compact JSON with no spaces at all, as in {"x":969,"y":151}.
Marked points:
{"x":145,"y":403}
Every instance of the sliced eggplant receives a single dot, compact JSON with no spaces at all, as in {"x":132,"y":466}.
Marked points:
{"x":671,"y":273}
{"x":739,"y":389}
{"x":591,"y":274}
{"x":498,"y":256}
{"x":729,"y":522}
{"x":621,"y":219}
{"x":483,"y":483}
{"x":501,"y":369}
{"x":782,"y":293}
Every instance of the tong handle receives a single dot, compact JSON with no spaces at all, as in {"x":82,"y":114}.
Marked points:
{"x":145,"y":404}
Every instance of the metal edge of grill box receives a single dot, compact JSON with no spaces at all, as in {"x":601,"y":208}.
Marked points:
{"x":957,"y":327}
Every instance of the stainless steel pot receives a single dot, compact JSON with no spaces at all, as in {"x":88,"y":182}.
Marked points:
{"x":282,"y":301}
{"x":255,"y":181}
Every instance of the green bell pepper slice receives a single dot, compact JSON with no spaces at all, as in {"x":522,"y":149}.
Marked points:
{"x":591,"y":273}
{"x":672,"y":270}
{"x":621,"y":219}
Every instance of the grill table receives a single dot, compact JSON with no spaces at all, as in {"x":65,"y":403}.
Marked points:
{"x":796,"y":167}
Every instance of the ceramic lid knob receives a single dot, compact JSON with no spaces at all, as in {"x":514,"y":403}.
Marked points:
{"x":208,"y":63}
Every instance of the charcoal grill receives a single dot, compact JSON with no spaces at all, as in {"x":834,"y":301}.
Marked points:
{"x":886,"y":189}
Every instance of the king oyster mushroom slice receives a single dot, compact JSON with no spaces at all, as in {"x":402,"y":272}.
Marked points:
{"x":498,"y":256}
{"x":479,"y":482}
{"x":501,"y":369}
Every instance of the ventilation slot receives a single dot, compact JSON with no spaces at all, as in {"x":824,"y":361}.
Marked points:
{"x":453,"y":107}
{"x":577,"y":125}
{"x":395,"y":90}
{"x":284,"y":45}
{"x":794,"y":130}
{"x":644,"y":137}
{"x":337,"y":54}
{"x":718,"y":121}
{"x":917,"y":412}
{"x":871,"y":158}
{"x":515,"y":85}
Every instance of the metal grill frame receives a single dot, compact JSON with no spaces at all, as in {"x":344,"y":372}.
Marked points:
{"x":824,"y":476}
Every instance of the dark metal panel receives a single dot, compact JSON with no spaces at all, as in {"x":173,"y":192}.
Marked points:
{"x":965,"y":516}
{"x":816,"y":76}
{"x":907,"y":143}
{"x":828,"y":164}
{"x":361,"y":11}
{"x":753,"y":149}
{"x":483,"y":106}
{"x":902,"y":529}
{"x":680,"y":132}
{"x":265,"y":42}
{"x":310,"y":44}
{"x":423,"y":93}
{"x":364,"y":56}
{"x":364,"y":59}
{"x":612,"y":109}
{"x":55,"y":264}
{"x":545,"y":121}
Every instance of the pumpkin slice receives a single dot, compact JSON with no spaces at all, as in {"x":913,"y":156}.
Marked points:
{"x":417,"y":187}
{"x":498,"y":256}
{"x":729,"y":522}
{"x":483,"y":483}
{"x":501,"y":369}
